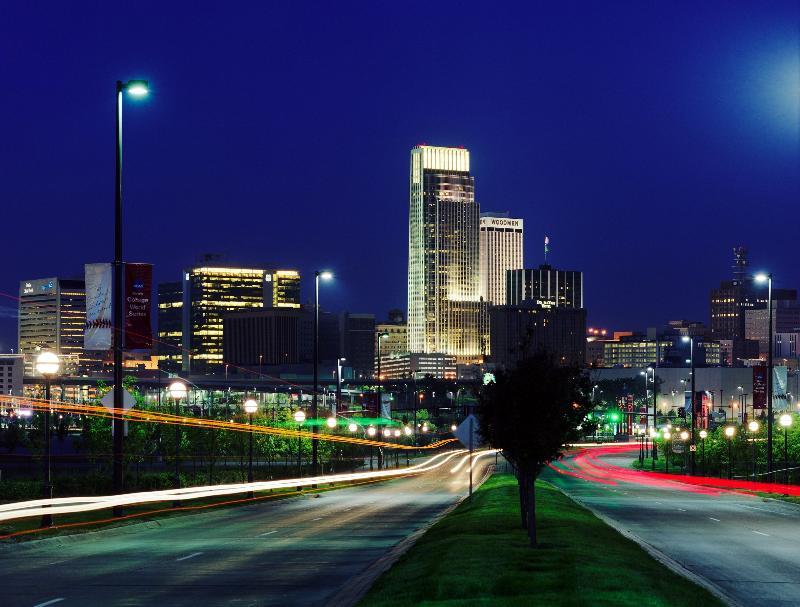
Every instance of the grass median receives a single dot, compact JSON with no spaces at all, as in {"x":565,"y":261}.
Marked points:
{"x":479,"y":555}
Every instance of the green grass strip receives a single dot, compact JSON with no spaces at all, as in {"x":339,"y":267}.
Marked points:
{"x":479,"y":555}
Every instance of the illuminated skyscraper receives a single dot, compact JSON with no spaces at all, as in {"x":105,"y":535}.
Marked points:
{"x":501,"y":250}
{"x":445,"y":311}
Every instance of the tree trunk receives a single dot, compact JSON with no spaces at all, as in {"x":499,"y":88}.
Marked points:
{"x":523,"y":507}
{"x":531,"y":486}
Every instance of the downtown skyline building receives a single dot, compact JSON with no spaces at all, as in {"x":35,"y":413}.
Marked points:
{"x":545,"y":285}
{"x":445,"y":312}
{"x":501,"y":249}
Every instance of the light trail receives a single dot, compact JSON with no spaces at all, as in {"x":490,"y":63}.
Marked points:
{"x":153,"y":417}
{"x":72,"y":505}
{"x":475,"y":456}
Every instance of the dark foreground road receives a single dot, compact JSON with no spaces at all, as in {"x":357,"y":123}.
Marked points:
{"x":298,"y":551}
{"x":746,"y":546}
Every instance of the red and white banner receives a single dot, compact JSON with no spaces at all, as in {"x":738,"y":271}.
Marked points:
{"x":138,"y":302}
{"x":97,"y":333}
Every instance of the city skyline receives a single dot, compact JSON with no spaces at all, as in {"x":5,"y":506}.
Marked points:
{"x":722,"y":169}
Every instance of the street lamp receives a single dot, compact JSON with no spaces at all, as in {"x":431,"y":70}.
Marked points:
{"x":729,"y":433}
{"x":767,"y":277}
{"x":753,"y":427}
{"x":785,"y":421}
{"x":338,"y":402}
{"x":250,"y":407}
{"x":667,"y":436}
{"x":177,"y":390}
{"x":703,"y":436}
{"x":690,"y":339}
{"x":299,"y":417}
{"x":324,"y":275}
{"x":47,"y":365}
{"x":352,"y":427}
{"x":381,"y":337}
{"x":371,"y":433}
{"x":136,"y":88}
{"x":654,"y":453}
{"x":331,"y":422}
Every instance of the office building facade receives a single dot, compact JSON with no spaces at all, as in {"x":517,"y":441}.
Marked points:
{"x":52,"y":316}
{"x":282,"y":289}
{"x":169,"y":321}
{"x":357,"y":333}
{"x":445,"y":311}
{"x":418,"y":366}
{"x":501,"y":249}
{"x":545,"y":286}
{"x":11,"y":373}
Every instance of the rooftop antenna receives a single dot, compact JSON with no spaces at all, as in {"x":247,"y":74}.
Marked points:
{"x":546,"y":248}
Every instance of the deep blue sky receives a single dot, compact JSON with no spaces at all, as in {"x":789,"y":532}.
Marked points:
{"x":646,"y":141}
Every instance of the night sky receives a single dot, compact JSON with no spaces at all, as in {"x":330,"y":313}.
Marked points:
{"x":646,"y":141}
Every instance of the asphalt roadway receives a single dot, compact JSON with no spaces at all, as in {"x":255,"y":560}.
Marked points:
{"x":303,"y":550}
{"x":746,"y":546}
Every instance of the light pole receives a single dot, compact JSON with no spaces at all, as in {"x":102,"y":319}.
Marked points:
{"x":324,"y":275}
{"x":654,"y":453}
{"x":690,"y":339}
{"x":667,"y":452}
{"x":177,"y":390}
{"x":785,"y":421}
{"x":339,"y":362}
{"x":136,"y":88}
{"x":729,"y":432}
{"x":768,"y":279}
{"x":299,"y":418}
{"x":371,"y":433}
{"x":250,"y":407}
{"x":703,"y":435}
{"x":753,"y":428}
{"x":381,"y":337}
{"x":684,"y":437}
{"x":47,"y":365}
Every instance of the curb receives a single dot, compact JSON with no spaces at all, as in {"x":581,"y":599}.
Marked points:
{"x":661,"y":557}
{"x":359,"y":585}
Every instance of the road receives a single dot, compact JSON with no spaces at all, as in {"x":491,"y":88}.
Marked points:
{"x":747,"y":546}
{"x":297,"y":551}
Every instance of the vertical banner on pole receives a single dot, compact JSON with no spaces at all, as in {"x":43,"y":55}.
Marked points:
{"x":760,"y":387}
{"x":97,"y":333}
{"x":138,"y":301}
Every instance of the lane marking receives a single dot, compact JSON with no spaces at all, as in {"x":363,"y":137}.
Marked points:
{"x":759,"y":533}
{"x":714,"y":519}
{"x":56,"y":562}
{"x":682,"y":510}
{"x":191,"y":556}
{"x":319,"y":518}
{"x":50,"y":602}
{"x":267,"y":533}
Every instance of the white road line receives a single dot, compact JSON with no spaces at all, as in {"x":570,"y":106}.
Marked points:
{"x":714,"y":519}
{"x":191,"y":556}
{"x":319,"y":518}
{"x":267,"y":533}
{"x":682,"y":510}
{"x":50,"y":602}
{"x":759,"y":533}
{"x":56,"y":562}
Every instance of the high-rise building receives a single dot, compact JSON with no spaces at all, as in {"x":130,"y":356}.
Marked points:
{"x":357,"y":333}
{"x":52,"y":316}
{"x":11,"y":372}
{"x":395,"y":340}
{"x":208,"y":294}
{"x":545,"y":286}
{"x":282,"y":289}
{"x":501,"y":244}
{"x":170,"y":325}
{"x":265,"y":337}
{"x":785,"y":319}
{"x":445,"y":311}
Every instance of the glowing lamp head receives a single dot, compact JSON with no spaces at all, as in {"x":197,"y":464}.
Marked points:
{"x":785,"y":420}
{"x":753,"y":426}
{"x":250,"y":406}
{"x":453,"y":428}
{"x":730,"y":431}
{"x":686,"y":339}
{"x":761,"y":277}
{"x":352,"y":427}
{"x":137,"y":88}
{"x":330,"y":422}
{"x":177,"y":390}
{"x":371,"y":431}
{"x":684,"y":435}
{"x":299,"y":417}
{"x":667,"y":435}
{"x":47,"y":363}
{"x":387,"y":432}
{"x":407,"y":431}
{"x":326,"y":275}
{"x":397,"y":433}
{"x":424,"y":427}
{"x":703,"y":434}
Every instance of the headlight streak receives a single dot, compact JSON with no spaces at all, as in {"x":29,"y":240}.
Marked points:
{"x":72,"y":505}
{"x":135,"y":415}
{"x":475,"y":455}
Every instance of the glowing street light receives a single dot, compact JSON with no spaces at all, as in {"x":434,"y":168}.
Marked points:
{"x":371,"y":431}
{"x":177,"y":390}
{"x":352,"y":427}
{"x":47,"y":365}
{"x":331,"y":422}
{"x":299,"y":417}
{"x":767,"y":277}
{"x":785,"y":421}
{"x":730,"y":431}
{"x":325,"y":275}
{"x":407,"y":431}
{"x":703,"y":436}
{"x":250,"y":406}
{"x":753,"y":427}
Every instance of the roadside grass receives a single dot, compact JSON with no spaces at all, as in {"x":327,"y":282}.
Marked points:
{"x":27,"y":529}
{"x":479,"y":555}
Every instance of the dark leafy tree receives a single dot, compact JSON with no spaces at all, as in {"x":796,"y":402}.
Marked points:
{"x":530,"y":413}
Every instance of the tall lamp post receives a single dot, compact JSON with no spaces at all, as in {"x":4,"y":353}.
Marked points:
{"x":785,"y":421}
{"x":250,"y":407}
{"x":690,"y":339}
{"x":753,"y":428}
{"x":729,"y":432}
{"x":47,"y":365}
{"x":338,"y":403}
{"x":136,"y":88}
{"x":177,"y":390}
{"x":299,"y":418}
{"x":324,"y":275}
{"x":768,"y":279}
{"x":381,"y":337}
{"x":703,"y":435}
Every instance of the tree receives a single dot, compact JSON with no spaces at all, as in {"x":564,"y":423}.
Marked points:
{"x":529,"y":413}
